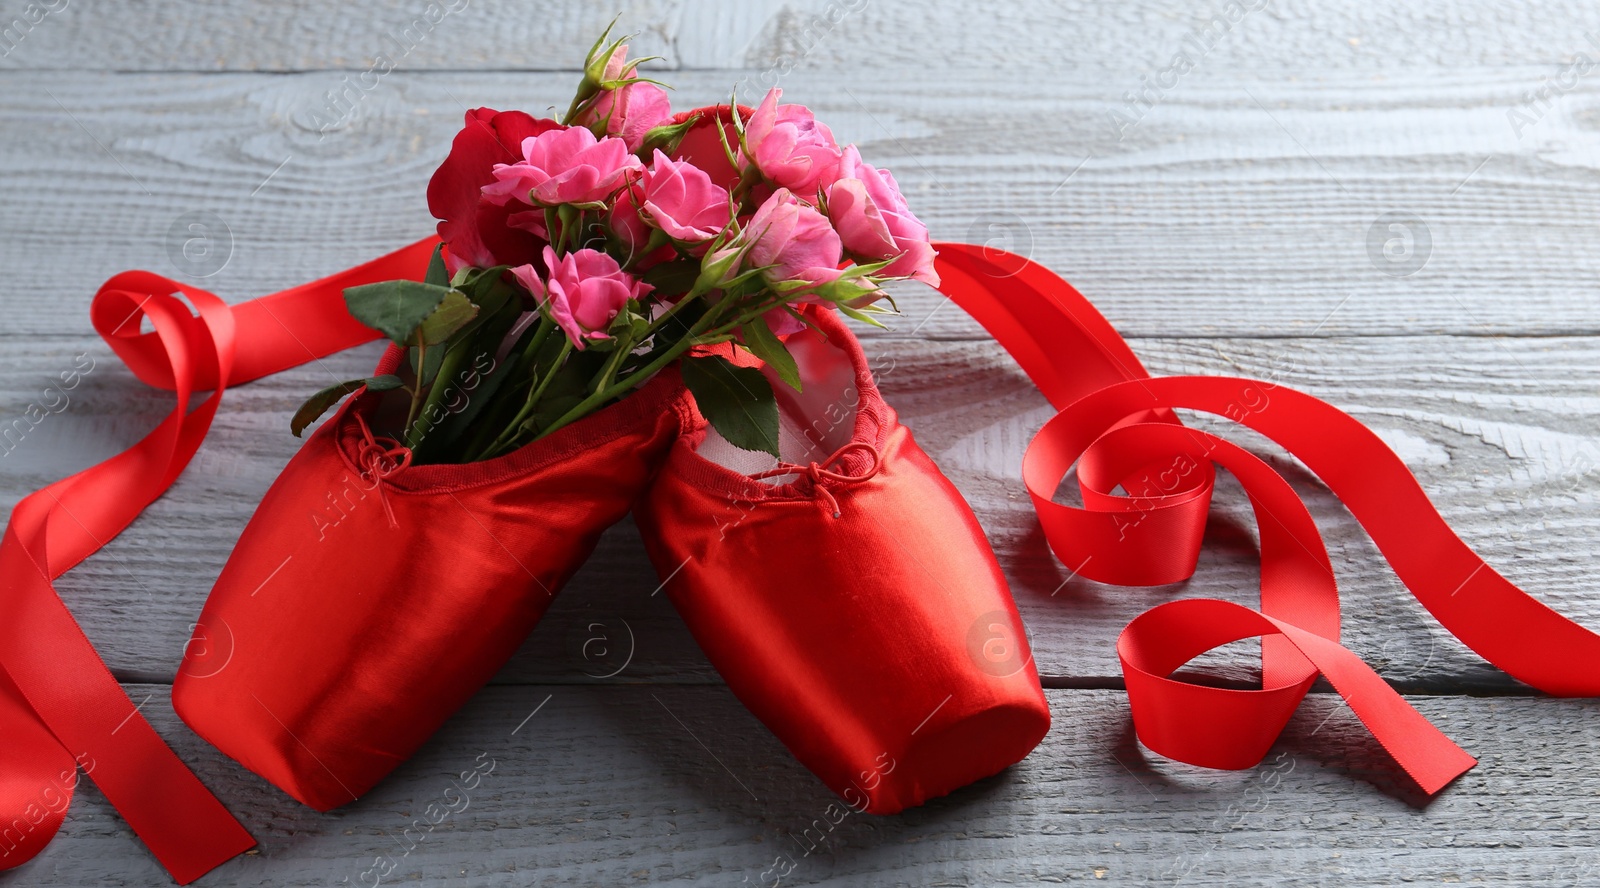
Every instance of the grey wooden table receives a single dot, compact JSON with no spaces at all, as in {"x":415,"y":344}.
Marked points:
{"x":1231,"y":218}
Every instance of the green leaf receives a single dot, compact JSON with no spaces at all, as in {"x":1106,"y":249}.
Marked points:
{"x":494,"y":307}
{"x":483,"y":338}
{"x":453,"y":312}
{"x":394,"y":308}
{"x":737,"y":401}
{"x":765,"y":344}
{"x":437,"y":275}
{"x":318,"y":404}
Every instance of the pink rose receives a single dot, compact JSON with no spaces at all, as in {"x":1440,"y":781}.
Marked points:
{"x":674,"y":196}
{"x":790,"y":147}
{"x":874,"y":223}
{"x":563,"y":166}
{"x":626,"y":223}
{"x":629,"y":112}
{"x":680,"y":199}
{"x":794,"y":239}
{"x":585,"y":289}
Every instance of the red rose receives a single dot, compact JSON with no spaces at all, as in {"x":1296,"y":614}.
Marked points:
{"x":475,"y":229}
{"x":702,"y":146}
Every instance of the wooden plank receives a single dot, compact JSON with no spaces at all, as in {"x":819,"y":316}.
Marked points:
{"x":624,"y":785}
{"x":1037,"y":38}
{"x":1213,"y":217}
{"x":1231,"y":229}
{"x":1501,"y":433}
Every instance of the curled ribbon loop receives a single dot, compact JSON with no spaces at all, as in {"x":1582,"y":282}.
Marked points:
{"x":1117,"y":426}
{"x":61,"y":710}
{"x":817,"y":472}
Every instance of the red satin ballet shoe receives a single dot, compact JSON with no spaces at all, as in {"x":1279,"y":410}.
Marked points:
{"x":847,"y":594}
{"x":369,"y":598}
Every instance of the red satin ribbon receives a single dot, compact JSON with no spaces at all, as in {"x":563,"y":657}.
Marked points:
{"x":60,"y":707}
{"x":1116,"y":425}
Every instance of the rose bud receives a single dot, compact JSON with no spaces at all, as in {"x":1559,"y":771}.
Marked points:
{"x":874,"y":222}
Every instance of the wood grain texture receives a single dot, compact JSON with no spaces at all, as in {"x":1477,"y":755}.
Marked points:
{"x":1501,"y":433}
{"x":1227,"y":226}
{"x":1050,"y":38}
{"x":624,"y":785}
{"x":1214,"y":216}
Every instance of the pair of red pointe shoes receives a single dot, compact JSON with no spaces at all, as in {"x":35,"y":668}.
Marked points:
{"x":846,"y":593}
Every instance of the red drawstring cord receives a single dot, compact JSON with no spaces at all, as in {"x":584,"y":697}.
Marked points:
{"x":817,"y":473}
{"x":379,"y":461}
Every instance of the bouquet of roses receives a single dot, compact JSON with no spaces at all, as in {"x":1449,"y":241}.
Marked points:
{"x":581,"y":257}
{"x":630,"y":310}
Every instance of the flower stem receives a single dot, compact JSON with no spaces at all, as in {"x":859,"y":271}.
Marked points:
{"x":545,"y":326}
{"x":702,"y":327}
{"x":526,"y":362}
{"x":417,"y":431}
{"x":550,"y":229}
{"x":618,"y":355}
{"x":416,"y":388}
{"x":656,"y":324}
{"x":603,"y":395}
{"x":572,"y":110}
{"x":510,"y":434}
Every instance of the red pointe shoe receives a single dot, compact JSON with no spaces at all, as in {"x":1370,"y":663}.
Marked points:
{"x":847,"y":594}
{"x":369,"y":598}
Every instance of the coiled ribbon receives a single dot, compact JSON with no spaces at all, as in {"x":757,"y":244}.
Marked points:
{"x":1116,"y":424}
{"x":62,"y":711}
{"x":60,"y":706}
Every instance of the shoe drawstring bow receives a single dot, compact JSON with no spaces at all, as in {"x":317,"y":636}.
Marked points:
{"x":819,"y":471}
{"x":380,"y":457}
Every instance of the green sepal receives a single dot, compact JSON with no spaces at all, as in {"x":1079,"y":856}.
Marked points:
{"x":631,"y":323}
{"x":863,"y":314}
{"x":666,"y":137}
